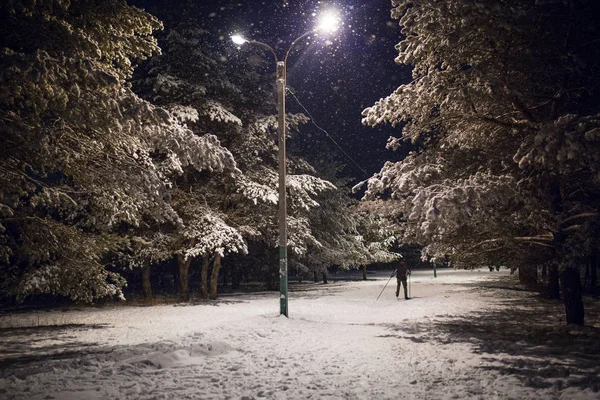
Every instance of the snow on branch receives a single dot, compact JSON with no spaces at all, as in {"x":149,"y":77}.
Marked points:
{"x":212,"y":236}
{"x":217,"y":112}
{"x":303,"y":188}
{"x":256,"y":192}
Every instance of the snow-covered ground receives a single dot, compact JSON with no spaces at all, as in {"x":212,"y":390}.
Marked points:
{"x":463,"y":335}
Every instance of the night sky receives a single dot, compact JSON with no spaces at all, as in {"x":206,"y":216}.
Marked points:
{"x":334,"y":76}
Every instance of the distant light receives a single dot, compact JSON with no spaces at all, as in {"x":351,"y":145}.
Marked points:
{"x":238,"y":39}
{"x":329,"y":21}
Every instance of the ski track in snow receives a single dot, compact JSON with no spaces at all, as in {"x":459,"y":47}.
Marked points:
{"x":339,"y":343}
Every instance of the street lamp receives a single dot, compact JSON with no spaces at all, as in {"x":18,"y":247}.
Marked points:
{"x":328,"y":22}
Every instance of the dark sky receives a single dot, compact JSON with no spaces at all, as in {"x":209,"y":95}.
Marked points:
{"x":334,"y":76}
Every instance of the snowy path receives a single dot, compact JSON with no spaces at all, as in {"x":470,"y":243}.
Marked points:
{"x":453,"y":340}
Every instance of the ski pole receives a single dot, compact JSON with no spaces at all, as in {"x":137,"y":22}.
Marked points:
{"x":385,"y":285}
{"x":409,"y":284}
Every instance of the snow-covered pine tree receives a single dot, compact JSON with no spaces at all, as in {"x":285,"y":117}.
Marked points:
{"x":503,"y":108}
{"x":145,"y":249}
{"x":197,"y":81}
{"x":79,"y":149}
{"x":344,"y":235}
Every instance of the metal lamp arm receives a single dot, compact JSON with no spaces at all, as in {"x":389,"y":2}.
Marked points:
{"x":270,"y":49}
{"x":266,"y":46}
{"x":295,"y":41}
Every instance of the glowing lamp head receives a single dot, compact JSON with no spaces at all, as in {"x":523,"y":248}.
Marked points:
{"x":329,"y":21}
{"x":238,"y":39}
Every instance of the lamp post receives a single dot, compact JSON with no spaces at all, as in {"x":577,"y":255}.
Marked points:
{"x":328,"y":22}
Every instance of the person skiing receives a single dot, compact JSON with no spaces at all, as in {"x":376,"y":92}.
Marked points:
{"x":401,"y":274}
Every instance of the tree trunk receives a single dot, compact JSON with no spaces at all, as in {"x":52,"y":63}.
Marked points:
{"x":160,"y":279}
{"x":528,"y":275}
{"x":586,"y":274}
{"x":236,"y":276}
{"x":544,"y":271}
{"x":184,"y":269}
{"x":146,"y":282}
{"x":594,"y":272}
{"x":175,"y":280}
{"x":364,"y":271}
{"x":571,"y":285}
{"x":214,"y":277}
{"x":324,"y":275}
{"x":204,"y":277}
{"x":316,"y":276}
{"x":226,"y":270}
{"x":553,"y":287}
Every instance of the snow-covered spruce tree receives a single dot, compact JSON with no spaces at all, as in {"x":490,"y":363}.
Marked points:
{"x":192,"y":81}
{"x":307,"y":194}
{"x":503,"y":108}
{"x":145,"y":248}
{"x":78,"y":147}
{"x":348,"y":239}
{"x":205,"y":234}
{"x":344,"y":236}
{"x":378,"y":236}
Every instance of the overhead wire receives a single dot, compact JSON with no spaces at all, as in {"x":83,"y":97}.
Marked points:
{"x":312,"y":119}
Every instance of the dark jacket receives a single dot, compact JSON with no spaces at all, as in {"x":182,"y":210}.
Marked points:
{"x":401,"y":272}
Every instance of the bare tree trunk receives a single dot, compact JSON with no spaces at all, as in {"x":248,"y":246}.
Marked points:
{"x":184,"y":269}
{"x":544,"y":271}
{"x":553,"y":286}
{"x":571,"y":285}
{"x":364,"y":271}
{"x":146,"y":282}
{"x":204,"y":277}
{"x":214,"y":277}
{"x":324,"y":272}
